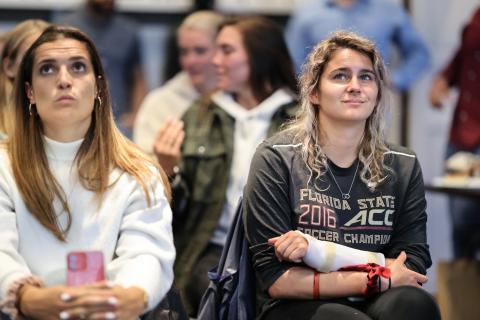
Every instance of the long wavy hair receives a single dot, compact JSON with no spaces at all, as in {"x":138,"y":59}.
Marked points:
{"x":14,"y":39}
{"x":103,"y":149}
{"x":306,"y":129}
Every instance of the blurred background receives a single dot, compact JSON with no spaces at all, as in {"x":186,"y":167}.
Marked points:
{"x":414,"y":122}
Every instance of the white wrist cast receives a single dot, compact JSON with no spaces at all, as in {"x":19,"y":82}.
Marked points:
{"x":326,"y":256}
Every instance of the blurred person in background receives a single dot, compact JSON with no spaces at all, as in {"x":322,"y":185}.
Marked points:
{"x":16,"y":43}
{"x":117,"y":40}
{"x":382,"y":21}
{"x":215,"y":141}
{"x":463,"y":73}
{"x":196,"y":47}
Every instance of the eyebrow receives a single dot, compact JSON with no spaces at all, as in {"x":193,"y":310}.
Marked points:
{"x":51,"y":60}
{"x":348,"y":69}
{"x":225,"y":45}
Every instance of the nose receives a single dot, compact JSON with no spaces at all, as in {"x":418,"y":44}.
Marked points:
{"x":64,"y":78}
{"x":188,"y":60}
{"x":217,"y":58}
{"x":353,"y":85}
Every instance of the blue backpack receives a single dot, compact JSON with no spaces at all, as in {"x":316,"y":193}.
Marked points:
{"x":231,"y":294}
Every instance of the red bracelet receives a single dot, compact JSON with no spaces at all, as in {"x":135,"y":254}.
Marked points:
{"x":374,"y":272}
{"x":316,"y":285}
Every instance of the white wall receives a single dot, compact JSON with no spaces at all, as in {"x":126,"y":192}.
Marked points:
{"x":440,"y":22}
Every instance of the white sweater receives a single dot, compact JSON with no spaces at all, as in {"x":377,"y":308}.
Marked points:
{"x":136,"y":240}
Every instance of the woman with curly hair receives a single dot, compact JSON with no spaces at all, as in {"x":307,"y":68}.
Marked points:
{"x":335,"y":216}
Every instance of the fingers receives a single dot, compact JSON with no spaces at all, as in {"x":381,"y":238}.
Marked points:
{"x":402,"y":257}
{"x":388,"y":262}
{"x":78,"y":313}
{"x":87,"y":306}
{"x":297,"y":254}
{"x":415,"y":279}
{"x":170,"y":134}
{"x":167,"y":144}
{"x":102,"y":288}
{"x":420,"y":278}
{"x":291,"y":246}
{"x":439,"y":92}
{"x":100,"y":285}
{"x":110,"y":315}
{"x":401,"y":275}
{"x":272,"y":241}
{"x":295,"y":250}
{"x":178,"y":140}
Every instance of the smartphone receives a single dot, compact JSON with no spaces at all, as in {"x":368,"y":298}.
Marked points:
{"x":84,"y":267}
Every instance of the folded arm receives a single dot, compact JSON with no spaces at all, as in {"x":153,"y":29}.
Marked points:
{"x":297,"y":282}
{"x":320,"y":255}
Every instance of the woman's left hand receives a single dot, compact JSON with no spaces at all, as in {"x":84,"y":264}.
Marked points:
{"x":291,"y":246}
{"x":402,"y":276}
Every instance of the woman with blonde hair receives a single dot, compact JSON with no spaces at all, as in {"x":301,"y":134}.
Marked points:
{"x":196,"y":47}
{"x":16,"y":43}
{"x":71,"y":182}
{"x":335,"y":215}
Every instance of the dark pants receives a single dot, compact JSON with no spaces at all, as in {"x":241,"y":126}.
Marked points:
{"x":395,"y":304}
{"x":465,"y":218}
{"x":198,"y":280}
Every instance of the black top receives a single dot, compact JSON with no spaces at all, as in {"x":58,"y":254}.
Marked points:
{"x":281,"y":196}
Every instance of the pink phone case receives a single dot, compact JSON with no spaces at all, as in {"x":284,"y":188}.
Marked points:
{"x":84,"y":267}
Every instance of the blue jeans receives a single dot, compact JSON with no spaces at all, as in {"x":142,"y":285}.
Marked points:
{"x":465,"y":219}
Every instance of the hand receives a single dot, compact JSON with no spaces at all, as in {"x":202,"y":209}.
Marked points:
{"x":167,"y":144}
{"x":129,"y":304}
{"x":439,"y":91}
{"x":388,"y":262}
{"x":291,"y":246}
{"x":402,"y":276}
{"x":41,"y":303}
{"x":66,"y":302}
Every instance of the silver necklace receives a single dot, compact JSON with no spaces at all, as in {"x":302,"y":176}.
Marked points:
{"x":345,"y":196}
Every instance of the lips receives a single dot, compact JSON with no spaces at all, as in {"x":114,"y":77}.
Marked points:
{"x":65,"y":98}
{"x":353,"y":101}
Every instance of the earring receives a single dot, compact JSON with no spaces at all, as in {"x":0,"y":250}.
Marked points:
{"x":99,"y":101}
{"x":30,"y":109}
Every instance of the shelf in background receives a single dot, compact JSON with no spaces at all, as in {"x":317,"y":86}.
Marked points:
{"x":270,"y":7}
{"x":147,"y":6}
